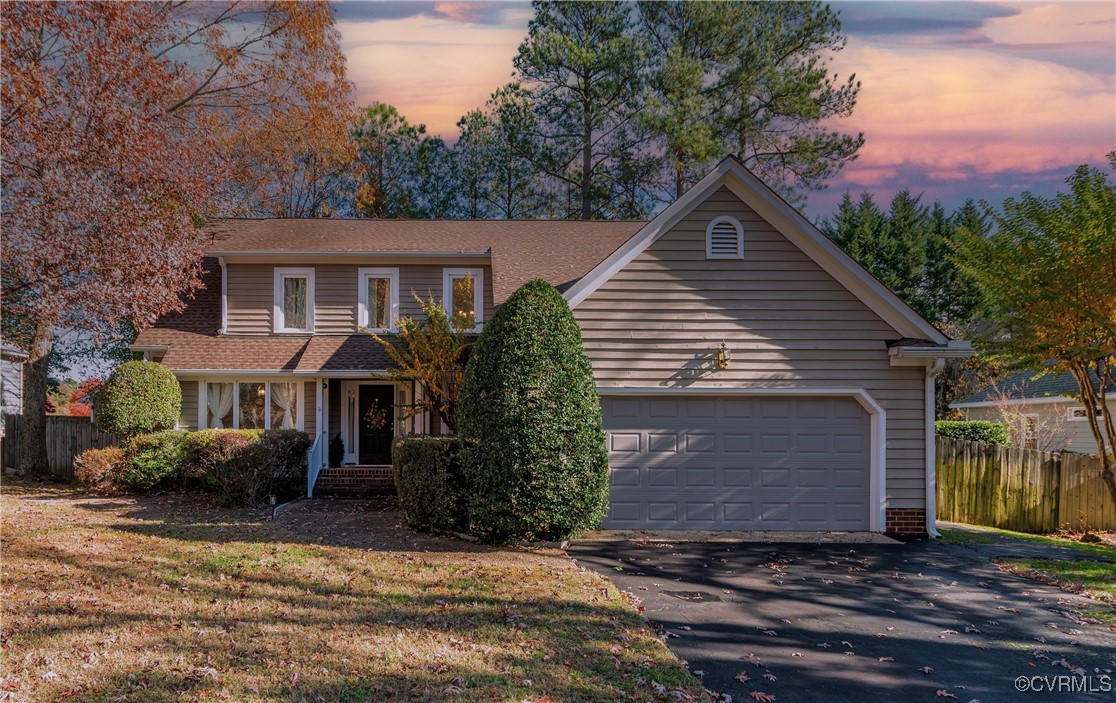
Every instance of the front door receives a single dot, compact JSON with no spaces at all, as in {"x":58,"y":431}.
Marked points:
{"x":375,"y":423}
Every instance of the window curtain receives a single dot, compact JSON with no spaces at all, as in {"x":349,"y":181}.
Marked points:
{"x":219,"y":399}
{"x":283,"y":397}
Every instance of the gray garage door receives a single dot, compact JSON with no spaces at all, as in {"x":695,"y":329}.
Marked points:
{"x":737,"y":463}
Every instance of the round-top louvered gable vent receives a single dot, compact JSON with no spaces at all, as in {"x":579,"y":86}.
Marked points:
{"x":724,"y":239}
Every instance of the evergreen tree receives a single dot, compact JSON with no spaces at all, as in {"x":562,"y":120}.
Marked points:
{"x":585,"y":67}
{"x":750,"y":78}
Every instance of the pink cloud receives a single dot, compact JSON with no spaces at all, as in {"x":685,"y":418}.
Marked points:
{"x":950,"y":112}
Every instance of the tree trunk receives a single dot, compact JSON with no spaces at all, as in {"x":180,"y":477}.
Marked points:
{"x":587,"y":165}
{"x":1092,"y":403}
{"x":32,"y":438}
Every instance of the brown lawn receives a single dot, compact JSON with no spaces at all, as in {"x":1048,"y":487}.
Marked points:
{"x":170,"y":599}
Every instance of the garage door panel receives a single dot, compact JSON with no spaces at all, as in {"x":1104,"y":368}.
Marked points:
{"x":738,"y":463}
{"x":700,"y":478}
{"x":661,"y":442}
{"x":700,"y":442}
{"x":624,"y":442}
{"x":620,"y":476}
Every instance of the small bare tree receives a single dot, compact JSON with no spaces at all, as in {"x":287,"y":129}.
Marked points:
{"x":430,"y":352}
{"x":1027,"y":429}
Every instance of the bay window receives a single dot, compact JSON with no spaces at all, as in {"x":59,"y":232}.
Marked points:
{"x":283,"y":405}
{"x":219,"y":405}
{"x":251,"y":405}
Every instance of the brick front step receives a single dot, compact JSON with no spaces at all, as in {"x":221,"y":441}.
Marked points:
{"x":355,"y":481}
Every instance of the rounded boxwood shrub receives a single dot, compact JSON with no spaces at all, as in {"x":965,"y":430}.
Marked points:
{"x":140,"y":397}
{"x":154,"y":461}
{"x":973,"y":430}
{"x":428,"y":481}
{"x":534,"y":455}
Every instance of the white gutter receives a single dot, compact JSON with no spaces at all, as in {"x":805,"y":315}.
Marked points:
{"x":956,"y":349}
{"x":224,"y":295}
{"x":931,"y":450}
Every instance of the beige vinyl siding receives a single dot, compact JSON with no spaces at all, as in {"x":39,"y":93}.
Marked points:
{"x":188,"y":419}
{"x":658,"y":322}
{"x":310,"y":409}
{"x":251,"y":294}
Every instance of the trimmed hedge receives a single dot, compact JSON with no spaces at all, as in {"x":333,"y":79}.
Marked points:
{"x":101,"y":468}
{"x":239,"y":467}
{"x":154,"y":460}
{"x":140,"y":397}
{"x":973,"y":430}
{"x":530,"y":420}
{"x":429,"y":482}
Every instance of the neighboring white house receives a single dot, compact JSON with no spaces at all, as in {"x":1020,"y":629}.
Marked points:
{"x":11,"y":379}
{"x":1042,"y":411}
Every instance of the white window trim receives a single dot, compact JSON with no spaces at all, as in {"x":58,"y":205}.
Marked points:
{"x":363,"y":275}
{"x":278,"y":324}
{"x":203,"y":400}
{"x":739,"y":238}
{"x":477,"y":274}
{"x":1084,"y":414}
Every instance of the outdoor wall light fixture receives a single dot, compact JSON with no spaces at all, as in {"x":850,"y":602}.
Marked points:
{"x":724,"y":356}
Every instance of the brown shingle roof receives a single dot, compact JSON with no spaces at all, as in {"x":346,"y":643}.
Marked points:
{"x":356,"y":352}
{"x":188,"y":351}
{"x":558,"y":251}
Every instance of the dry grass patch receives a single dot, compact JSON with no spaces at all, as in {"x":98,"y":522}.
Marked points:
{"x":169,"y":599}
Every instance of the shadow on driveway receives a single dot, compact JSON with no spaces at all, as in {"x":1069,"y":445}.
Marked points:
{"x":833,"y":622}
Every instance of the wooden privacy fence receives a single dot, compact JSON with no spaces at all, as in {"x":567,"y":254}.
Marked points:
{"x":66,"y":437}
{"x":1020,"y":489}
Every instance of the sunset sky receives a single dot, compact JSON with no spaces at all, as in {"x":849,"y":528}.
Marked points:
{"x":959,"y":99}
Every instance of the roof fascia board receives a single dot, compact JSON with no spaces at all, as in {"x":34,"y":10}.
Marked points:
{"x":269,"y":256}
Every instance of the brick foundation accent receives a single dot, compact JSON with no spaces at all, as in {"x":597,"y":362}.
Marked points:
{"x":355,"y":481}
{"x":906,"y":521}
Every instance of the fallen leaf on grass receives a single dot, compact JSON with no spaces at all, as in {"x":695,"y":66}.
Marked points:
{"x":762,"y":697}
{"x":926,"y":670}
{"x":887,"y":659}
{"x":942,"y":693}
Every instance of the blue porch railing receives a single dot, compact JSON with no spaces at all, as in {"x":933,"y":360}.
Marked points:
{"x":314,"y":464}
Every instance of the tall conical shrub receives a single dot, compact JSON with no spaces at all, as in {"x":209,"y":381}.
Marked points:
{"x":530,"y":418}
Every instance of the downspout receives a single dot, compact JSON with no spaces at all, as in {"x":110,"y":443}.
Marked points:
{"x":224,"y":295}
{"x":932,"y":372}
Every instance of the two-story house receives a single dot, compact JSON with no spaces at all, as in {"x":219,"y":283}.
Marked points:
{"x":752,"y":375}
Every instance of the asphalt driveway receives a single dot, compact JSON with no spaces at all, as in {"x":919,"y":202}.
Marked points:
{"x":882,"y":621}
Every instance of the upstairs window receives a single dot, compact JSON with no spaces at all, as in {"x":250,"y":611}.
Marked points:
{"x":378,"y":307}
{"x":463,"y":297}
{"x":724,"y":238}
{"x":294,"y":296}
